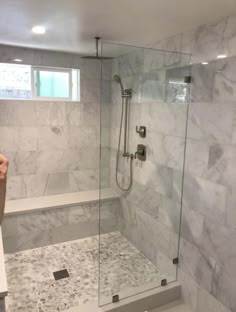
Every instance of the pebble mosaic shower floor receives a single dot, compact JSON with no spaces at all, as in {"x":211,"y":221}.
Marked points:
{"x":32,"y":287}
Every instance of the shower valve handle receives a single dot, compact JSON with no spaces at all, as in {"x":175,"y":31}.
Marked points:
{"x":141,"y":131}
{"x":141,"y":152}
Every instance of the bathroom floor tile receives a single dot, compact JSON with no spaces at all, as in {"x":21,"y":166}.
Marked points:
{"x":32,"y":287}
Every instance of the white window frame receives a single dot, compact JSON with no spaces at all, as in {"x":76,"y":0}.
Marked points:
{"x":51,"y":69}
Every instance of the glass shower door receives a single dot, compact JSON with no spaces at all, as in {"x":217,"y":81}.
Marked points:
{"x":144,"y":107}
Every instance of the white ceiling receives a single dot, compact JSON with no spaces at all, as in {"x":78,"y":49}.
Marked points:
{"x":72,"y":24}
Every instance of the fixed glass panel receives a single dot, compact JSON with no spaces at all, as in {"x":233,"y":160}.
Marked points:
{"x":143,"y":134}
{"x":52,"y":84}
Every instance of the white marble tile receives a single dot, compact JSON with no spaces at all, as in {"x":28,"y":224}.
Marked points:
{"x":15,"y":187}
{"x":197,"y":156}
{"x":91,"y":69}
{"x":52,"y":138}
{"x":189,"y":288}
{"x":51,"y":113}
{"x":89,"y":119}
{"x":131,"y":63}
{"x":205,"y":197}
{"x":221,"y":165}
{"x":83,"y":137}
{"x":9,"y":139}
{"x":153,"y":60}
{"x":225,"y":290}
{"x":192,"y":223}
{"x":230,"y":35}
{"x":218,"y":242}
{"x":211,"y":121}
{"x":85,"y":179}
{"x":197,"y":264}
{"x":89,"y":157}
{"x":172,"y":43}
{"x":169,"y":213}
{"x":207,"y":303}
{"x":225,"y":82}
{"x":58,"y":183}
{"x":152,"y":86}
{"x":90,"y":90}
{"x":203,"y":78}
{"x":208,"y":41}
{"x":171,"y":118}
{"x":25,"y":163}
{"x":166,"y":150}
{"x":230,"y":209}
{"x":18,"y":138}
{"x":49,"y":161}
{"x":22,"y":113}
{"x":27,"y":138}
{"x":73,"y":113}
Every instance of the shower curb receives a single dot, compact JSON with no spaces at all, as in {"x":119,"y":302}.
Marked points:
{"x":142,"y":302}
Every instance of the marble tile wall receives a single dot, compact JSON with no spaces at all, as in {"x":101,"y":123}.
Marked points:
{"x":53,"y":147}
{"x":2,"y":305}
{"x":207,"y":246}
{"x":44,"y":228}
{"x":150,"y":212}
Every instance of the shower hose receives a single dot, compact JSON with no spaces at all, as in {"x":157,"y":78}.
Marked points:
{"x":130,"y":156}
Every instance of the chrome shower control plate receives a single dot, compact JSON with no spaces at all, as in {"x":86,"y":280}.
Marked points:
{"x":142,"y":130}
{"x":141,"y":152}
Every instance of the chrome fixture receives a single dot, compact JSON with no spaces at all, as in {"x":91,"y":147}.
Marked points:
{"x":141,"y":152}
{"x":126,"y":96}
{"x":96,"y":57}
{"x":117,"y":79}
{"x":141,"y":131}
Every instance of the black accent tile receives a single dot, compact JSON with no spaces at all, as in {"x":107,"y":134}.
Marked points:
{"x":61,"y":274}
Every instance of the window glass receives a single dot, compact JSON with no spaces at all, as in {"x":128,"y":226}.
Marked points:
{"x":28,"y":82}
{"x":52,"y":84}
{"x":15,"y":81}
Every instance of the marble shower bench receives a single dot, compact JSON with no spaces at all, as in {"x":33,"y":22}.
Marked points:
{"x":37,"y":222}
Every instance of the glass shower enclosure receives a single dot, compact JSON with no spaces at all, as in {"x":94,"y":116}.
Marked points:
{"x":144,"y":106}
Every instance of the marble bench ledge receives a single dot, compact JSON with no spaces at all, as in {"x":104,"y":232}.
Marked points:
{"x":57,"y":201}
{"x":3,"y":279}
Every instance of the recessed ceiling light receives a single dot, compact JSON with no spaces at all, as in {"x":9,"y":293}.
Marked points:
{"x":221,"y":56}
{"x":17,"y":60}
{"x":205,"y":63}
{"x":39,"y":30}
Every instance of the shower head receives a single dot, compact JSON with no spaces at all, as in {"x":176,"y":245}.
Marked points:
{"x":117,"y":79}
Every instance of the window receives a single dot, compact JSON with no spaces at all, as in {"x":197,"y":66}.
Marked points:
{"x":28,"y":82}
{"x":15,"y":81}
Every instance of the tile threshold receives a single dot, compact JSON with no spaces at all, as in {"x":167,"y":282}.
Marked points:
{"x":178,"y":306}
{"x":140,"y":302}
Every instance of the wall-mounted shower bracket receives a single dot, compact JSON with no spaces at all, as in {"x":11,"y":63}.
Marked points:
{"x":127,"y":93}
{"x":141,"y":130}
{"x":141,"y":152}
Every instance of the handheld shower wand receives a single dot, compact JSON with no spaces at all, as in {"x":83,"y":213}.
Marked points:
{"x":125,"y":95}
